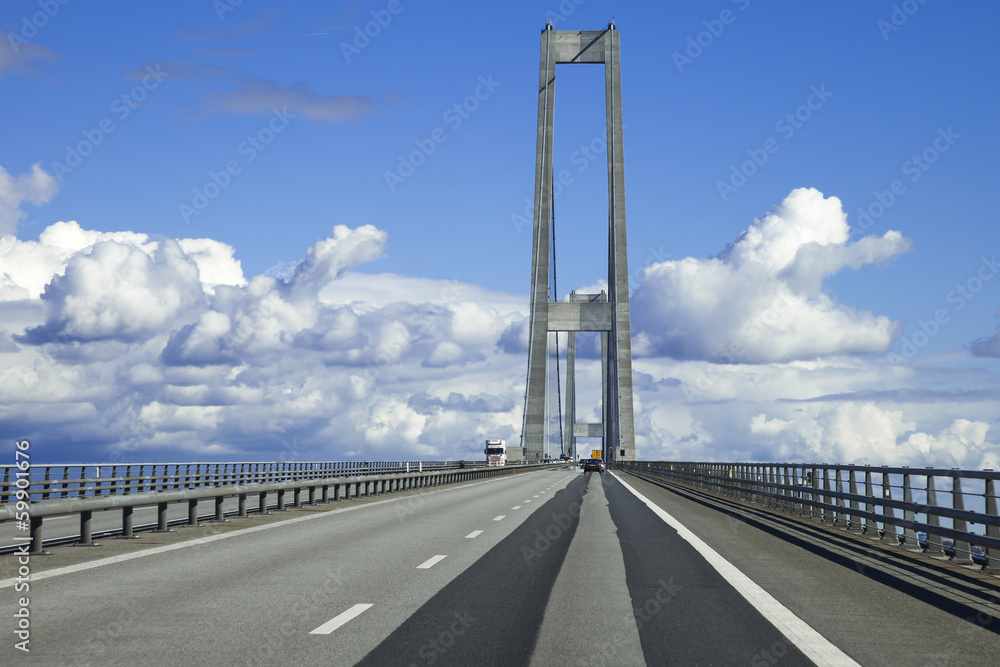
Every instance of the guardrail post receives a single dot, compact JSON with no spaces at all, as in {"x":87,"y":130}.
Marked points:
{"x":813,"y":479}
{"x":826,"y":512}
{"x":297,"y":494}
{"x":909,"y":534}
{"x":242,"y":504}
{"x":934,"y":545}
{"x":326,"y":494}
{"x":281,"y":500}
{"x":785,"y":492}
{"x":871,"y":526}
{"x":854,"y":521}
{"x":193,"y":513}
{"x":991,"y":510}
{"x":840,"y":517}
{"x":888,"y":529}
{"x":127,"y":524}
{"x":262,"y":503}
{"x":962,"y":552}
{"x":37,"y":543}
{"x":220,"y":514}
{"x":162,"y":524}
{"x":86,"y":533}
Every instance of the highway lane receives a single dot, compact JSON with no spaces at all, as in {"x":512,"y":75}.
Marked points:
{"x":547,"y":568}
{"x":255,"y":600}
{"x":878,"y":609}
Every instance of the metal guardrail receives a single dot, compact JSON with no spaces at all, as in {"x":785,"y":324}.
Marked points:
{"x":931,"y":509}
{"x":29,"y":501}
{"x":77,"y":480}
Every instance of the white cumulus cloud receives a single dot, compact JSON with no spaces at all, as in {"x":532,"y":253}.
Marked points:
{"x":760,"y":300}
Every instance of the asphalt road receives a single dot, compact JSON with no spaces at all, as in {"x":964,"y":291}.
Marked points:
{"x":546,"y":568}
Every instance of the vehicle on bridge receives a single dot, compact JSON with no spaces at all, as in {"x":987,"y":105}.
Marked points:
{"x":499,"y":453}
{"x":591,"y":465}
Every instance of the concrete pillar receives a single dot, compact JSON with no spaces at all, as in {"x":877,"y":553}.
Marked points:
{"x":611,"y":318}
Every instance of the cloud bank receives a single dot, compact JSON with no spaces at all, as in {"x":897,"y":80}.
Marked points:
{"x":118,"y":346}
{"x":760,"y":300}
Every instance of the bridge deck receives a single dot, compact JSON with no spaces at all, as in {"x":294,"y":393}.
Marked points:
{"x":548,"y":568}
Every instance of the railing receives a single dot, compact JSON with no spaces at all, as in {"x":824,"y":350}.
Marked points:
{"x":930,"y":509}
{"x":28,"y":500}
{"x":79,"y":480}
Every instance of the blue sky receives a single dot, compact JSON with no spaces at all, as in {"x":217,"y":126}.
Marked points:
{"x":261,"y":127}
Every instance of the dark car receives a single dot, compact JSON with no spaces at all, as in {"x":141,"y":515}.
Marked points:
{"x":590,"y":465}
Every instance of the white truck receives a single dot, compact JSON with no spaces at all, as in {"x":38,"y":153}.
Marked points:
{"x":496,"y":452}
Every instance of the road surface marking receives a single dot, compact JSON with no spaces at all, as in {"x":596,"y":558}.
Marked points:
{"x":815,"y":646}
{"x":527,"y":501}
{"x":535,"y":496}
{"x":121,"y":558}
{"x":474,"y":534}
{"x":516,"y":507}
{"x":340,"y":619}
{"x":499,"y":517}
{"x":430,"y":562}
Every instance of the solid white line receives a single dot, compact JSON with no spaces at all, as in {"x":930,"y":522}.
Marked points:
{"x":474,"y":534}
{"x":430,"y":562}
{"x":516,"y":507}
{"x":814,"y":645}
{"x":340,"y":619}
{"x":500,"y":517}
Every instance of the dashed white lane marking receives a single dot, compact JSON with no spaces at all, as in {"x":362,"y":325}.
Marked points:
{"x":516,"y":507}
{"x":340,"y":619}
{"x":500,"y":517}
{"x":814,"y":645}
{"x":430,"y":562}
{"x":474,"y":534}
{"x":153,"y":551}
{"x":535,"y":496}
{"x":527,"y":501}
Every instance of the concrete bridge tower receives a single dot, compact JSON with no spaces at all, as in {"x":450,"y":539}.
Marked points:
{"x":607,"y":314}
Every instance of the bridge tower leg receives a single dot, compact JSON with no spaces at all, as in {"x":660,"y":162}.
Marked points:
{"x":610,"y":316}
